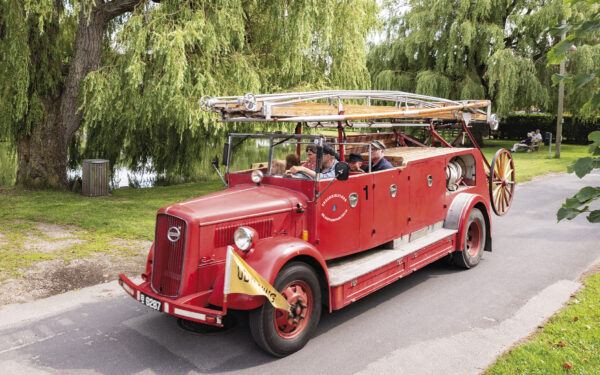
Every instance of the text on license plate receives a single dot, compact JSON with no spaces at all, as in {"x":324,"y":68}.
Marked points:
{"x":150,"y":302}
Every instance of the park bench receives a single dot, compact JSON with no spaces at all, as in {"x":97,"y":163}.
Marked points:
{"x":535,"y":145}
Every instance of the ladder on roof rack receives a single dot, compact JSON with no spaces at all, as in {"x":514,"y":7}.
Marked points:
{"x":341,"y":105}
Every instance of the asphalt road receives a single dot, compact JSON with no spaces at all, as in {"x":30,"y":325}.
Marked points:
{"x":438,"y":320}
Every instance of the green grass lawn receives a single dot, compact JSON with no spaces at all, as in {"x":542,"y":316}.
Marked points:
{"x":568,"y":344}
{"x":531,"y":164}
{"x":126,"y":213}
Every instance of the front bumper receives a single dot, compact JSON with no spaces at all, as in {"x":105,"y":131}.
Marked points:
{"x":181,"y":307}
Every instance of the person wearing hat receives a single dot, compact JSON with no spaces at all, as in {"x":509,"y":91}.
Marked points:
{"x":355,"y":162}
{"x":378,"y":162}
{"x":327,"y":166}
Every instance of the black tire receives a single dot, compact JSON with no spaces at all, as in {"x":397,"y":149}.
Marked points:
{"x":474,"y":234}
{"x":267,"y":333}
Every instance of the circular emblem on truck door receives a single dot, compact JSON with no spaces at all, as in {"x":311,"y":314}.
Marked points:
{"x":174,"y":233}
{"x":334,"y":208}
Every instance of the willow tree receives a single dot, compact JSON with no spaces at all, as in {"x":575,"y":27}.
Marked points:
{"x":47,"y":47}
{"x":123,"y":78}
{"x":492,"y":49}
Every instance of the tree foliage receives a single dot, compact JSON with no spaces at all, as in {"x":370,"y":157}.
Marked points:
{"x":46,"y":48}
{"x":580,"y":202}
{"x":143,"y":104}
{"x":139,"y":102}
{"x":582,"y":31}
{"x":474,"y":49}
{"x":36,"y":39}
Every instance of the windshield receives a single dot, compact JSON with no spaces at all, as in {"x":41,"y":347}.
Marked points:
{"x":273,"y":154}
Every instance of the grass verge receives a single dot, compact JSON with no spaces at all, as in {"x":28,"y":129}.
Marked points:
{"x":531,"y":164}
{"x":568,"y":344}
{"x":126,"y":213}
{"x":101,"y":225}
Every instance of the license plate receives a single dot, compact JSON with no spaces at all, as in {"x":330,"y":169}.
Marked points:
{"x":150,"y":302}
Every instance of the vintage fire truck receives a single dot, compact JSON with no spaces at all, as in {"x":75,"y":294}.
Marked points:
{"x":325,"y":243}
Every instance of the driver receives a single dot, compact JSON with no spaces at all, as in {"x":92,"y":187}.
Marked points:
{"x":327,"y":166}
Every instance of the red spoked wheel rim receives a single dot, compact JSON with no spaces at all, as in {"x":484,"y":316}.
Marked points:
{"x":473,"y":239}
{"x":502,"y":182}
{"x":300,"y":297}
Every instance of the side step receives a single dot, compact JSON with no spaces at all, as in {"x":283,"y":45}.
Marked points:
{"x":355,"y":276}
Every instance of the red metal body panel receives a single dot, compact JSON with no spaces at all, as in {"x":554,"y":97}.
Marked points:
{"x":238,"y":202}
{"x":390,"y":212}
{"x":338,"y":224}
{"x":426,"y":201}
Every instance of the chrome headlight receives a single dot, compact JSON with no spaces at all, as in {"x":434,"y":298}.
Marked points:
{"x":257,"y":176}
{"x":243,"y":237}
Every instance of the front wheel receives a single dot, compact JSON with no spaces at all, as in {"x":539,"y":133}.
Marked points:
{"x":279,"y":332}
{"x":474,"y":241}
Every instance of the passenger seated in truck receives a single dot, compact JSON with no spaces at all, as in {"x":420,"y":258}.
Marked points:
{"x":311,"y":157}
{"x":291,"y":160}
{"x":378,"y":162}
{"x":355,"y":162}
{"x":327,"y":167}
{"x":277,"y":167}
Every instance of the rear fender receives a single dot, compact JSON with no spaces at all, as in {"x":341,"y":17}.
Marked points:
{"x":268,"y":257}
{"x":458,"y":213}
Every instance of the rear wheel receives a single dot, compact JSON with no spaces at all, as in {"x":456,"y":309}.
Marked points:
{"x":279,"y":332}
{"x":474,"y":241}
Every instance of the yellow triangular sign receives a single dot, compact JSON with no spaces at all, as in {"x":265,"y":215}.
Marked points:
{"x":241,"y":278}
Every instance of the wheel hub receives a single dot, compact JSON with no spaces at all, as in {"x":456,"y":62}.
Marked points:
{"x":298,"y":311}
{"x":473,"y":239}
{"x":290,"y":324}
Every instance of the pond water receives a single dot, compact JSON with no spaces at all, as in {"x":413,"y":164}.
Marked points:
{"x":243,"y":156}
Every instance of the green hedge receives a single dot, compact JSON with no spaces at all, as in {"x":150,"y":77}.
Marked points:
{"x":574,"y":130}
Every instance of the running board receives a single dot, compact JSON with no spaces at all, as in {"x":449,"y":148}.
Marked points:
{"x":352,"y":267}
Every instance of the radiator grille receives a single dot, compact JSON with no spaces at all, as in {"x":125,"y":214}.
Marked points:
{"x":167,"y":265}
{"x":224,"y":234}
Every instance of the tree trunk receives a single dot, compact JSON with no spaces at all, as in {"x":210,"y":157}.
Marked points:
{"x":479,"y":131}
{"x":42,"y":154}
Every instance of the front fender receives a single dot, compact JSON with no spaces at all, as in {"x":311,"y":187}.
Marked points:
{"x":267,"y":257}
{"x":458,"y":213}
{"x":149,"y":262}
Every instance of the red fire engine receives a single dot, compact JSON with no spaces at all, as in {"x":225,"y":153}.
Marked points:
{"x":328,"y":242}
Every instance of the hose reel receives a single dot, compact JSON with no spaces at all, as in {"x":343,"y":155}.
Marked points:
{"x":454,"y":175}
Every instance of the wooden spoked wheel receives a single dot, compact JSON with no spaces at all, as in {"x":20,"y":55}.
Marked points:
{"x":502,"y":182}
